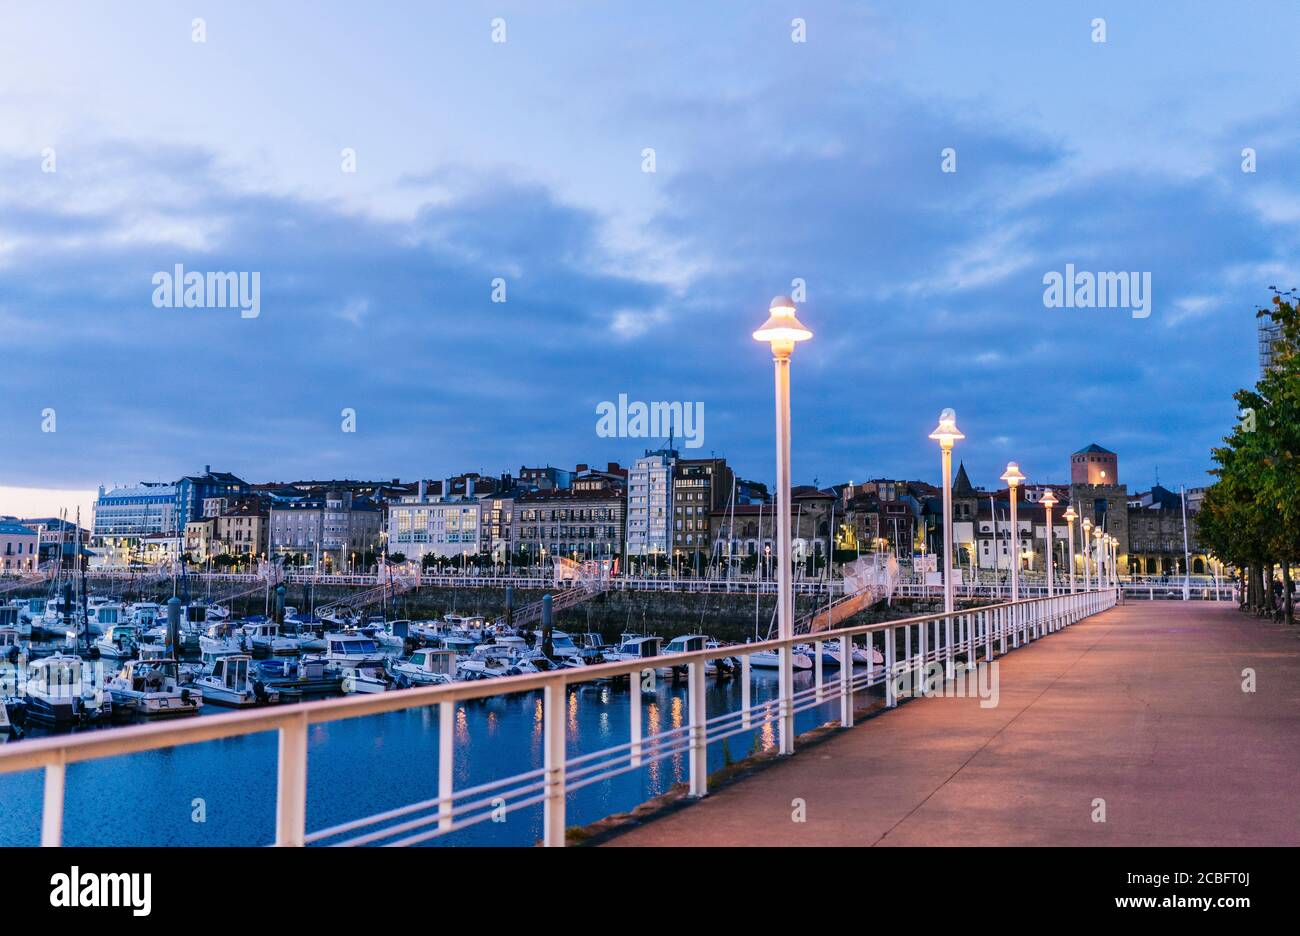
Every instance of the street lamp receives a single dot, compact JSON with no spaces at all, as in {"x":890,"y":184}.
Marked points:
{"x":1097,"y":536}
{"x":1048,"y":501}
{"x":781,"y":331}
{"x":946,"y":433}
{"x":1013,"y":477}
{"x":1070,"y":516}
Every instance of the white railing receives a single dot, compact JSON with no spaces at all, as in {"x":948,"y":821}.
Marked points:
{"x":970,"y":634}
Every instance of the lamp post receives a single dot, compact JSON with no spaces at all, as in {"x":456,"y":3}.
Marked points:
{"x":1049,"y":501}
{"x":1097,"y":535}
{"x":1114,"y":560}
{"x":946,"y":433}
{"x":1070,"y":516}
{"x":1013,"y":477}
{"x":781,"y":331}
{"x":1086,"y":526}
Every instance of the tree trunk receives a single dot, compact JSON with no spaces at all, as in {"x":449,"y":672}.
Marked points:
{"x":1286,"y":593}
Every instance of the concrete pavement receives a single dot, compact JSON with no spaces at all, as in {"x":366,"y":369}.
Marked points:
{"x":1141,"y":707}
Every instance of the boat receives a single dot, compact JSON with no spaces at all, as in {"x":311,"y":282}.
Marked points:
{"x":218,"y":641}
{"x":265,"y":637}
{"x":11,"y":644}
{"x":689,"y":643}
{"x":592,"y":647}
{"x":364,"y":679}
{"x":770,"y":659}
{"x":564,"y":652}
{"x":491,"y":660}
{"x":145,"y":614}
{"x":426,"y":667}
{"x":296,"y":678}
{"x":343,"y":649}
{"x":102,"y":613}
{"x":119,"y":641}
{"x":634,"y":647}
{"x":57,"y":693}
{"x":153,"y":688}
{"x":230,"y":683}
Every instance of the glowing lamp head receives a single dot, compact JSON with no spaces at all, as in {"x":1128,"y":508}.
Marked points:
{"x":1098,"y":534}
{"x":946,"y":433}
{"x":1049,"y":500}
{"x":1087,"y":525}
{"x":1012,"y":475}
{"x":782,"y":328}
{"x":1069,"y":515}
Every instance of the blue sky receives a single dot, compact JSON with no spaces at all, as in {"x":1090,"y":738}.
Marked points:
{"x":523,"y":160}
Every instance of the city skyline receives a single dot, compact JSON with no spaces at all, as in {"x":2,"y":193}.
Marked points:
{"x":924,"y":288}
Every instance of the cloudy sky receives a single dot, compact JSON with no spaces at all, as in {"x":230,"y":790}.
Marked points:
{"x":524,"y":160}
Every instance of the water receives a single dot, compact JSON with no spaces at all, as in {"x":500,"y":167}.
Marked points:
{"x":366,"y":765}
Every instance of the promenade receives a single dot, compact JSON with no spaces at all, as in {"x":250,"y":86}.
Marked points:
{"x":1141,"y":706}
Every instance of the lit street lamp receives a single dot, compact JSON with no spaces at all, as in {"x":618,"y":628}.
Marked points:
{"x":1084,"y":546}
{"x":1097,"y":536}
{"x":781,"y":330}
{"x":1048,"y":501}
{"x":1070,"y":516}
{"x":1013,"y":477}
{"x":946,"y":433}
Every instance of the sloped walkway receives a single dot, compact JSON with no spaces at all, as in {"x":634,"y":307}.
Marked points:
{"x":1141,"y":707}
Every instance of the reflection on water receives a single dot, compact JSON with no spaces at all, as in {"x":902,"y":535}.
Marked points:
{"x":361,"y":766}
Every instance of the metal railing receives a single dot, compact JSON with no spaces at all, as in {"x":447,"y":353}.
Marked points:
{"x":908,"y":647}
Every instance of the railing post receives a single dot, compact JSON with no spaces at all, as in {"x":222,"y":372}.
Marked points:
{"x":553,"y":763}
{"x":785,"y":701}
{"x":634,"y":697}
{"x":949,"y":672}
{"x":52,"y":811}
{"x":846,"y":681}
{"x":291,"y":786}
{"x":446,"y":775}
{"x":891,"y":697}
{"x":1002,"y":630}
{"x":746,"y":686}
{"x":699,"y":741}
{"x":818,"y":669}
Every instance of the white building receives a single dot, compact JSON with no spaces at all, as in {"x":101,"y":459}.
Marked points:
{"x":650,"y":504}
{"x":432,"y":524}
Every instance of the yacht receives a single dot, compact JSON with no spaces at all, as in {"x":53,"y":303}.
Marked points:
{"x":57,"y":693}
{"x":11,"y":644}
{"x":102,"y":613}
{"x":265,"y":637}
{"x":496,"y":659}
{"x":352,"y":650}
{"x":427,"y":667}
{"x":770,"y":659}
{"x":364,"y":679}
{"x":119,"y":641}
{"x":145,"y":614}
{"x":218,"y":641}
{"x":563,"y":650}
{"x":688,"y":643}
{"x":230,"y":683}
{"x":634,"y":647}
{"x":153,"y":688}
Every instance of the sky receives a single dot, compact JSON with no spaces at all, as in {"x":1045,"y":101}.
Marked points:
{"x":480,"y":163}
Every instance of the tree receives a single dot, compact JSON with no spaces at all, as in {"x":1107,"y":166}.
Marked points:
{"x":1251,"y":516}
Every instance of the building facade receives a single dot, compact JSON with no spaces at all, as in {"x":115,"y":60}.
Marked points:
{"x":583,"y":522}
{"x":124,"y":516}
{"x":700,"y":486}
{"x":438,"y":525}
{"x":193,"y":490}
{"x":338,"y":528}
{"x":19,"y":547}
{"x":649,"y":508}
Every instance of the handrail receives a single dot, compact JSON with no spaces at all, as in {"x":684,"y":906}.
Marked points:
{"x":940,"y":638}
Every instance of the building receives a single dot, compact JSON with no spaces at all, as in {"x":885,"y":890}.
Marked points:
{"x":243,"y":528}
{"x":544,"y":479}
{"x":649,"y":508}
{"x":200,"y":539}
{"x":19,"y":547}
{"x":338,"y":528}
{"x":585,"y":521}
{"x":1155,"y":535}
{"x":193,"y":490}
{"x":1094,"y":466}
{"x":124,"y":516}
{"x":700,"y":486}
{"x":441,"y":525}
{"x":55,"y":533}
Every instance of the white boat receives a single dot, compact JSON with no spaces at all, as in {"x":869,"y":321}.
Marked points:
{"x":119,"y":641}
{"x":218,"y":641}
{"x":265,"y":637}
{"x":351,"y":650}
{"x":102,"y":613}
{"x":633,"y":647}
{"x":364,"y":679}
{"x":491,"y":660}
{"x":58,"y":692}
{"x":563,"y":650}
{"x":153,"y":688}
{"x":427,"y":667}
{"x":145,"y":614}
{"x":689,"y":643}
{"x":11,"y":644}
{"x":770,"y":659}
{"x":229,"y":683}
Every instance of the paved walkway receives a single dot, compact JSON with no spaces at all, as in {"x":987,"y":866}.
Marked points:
{"x":1141,"y":706}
